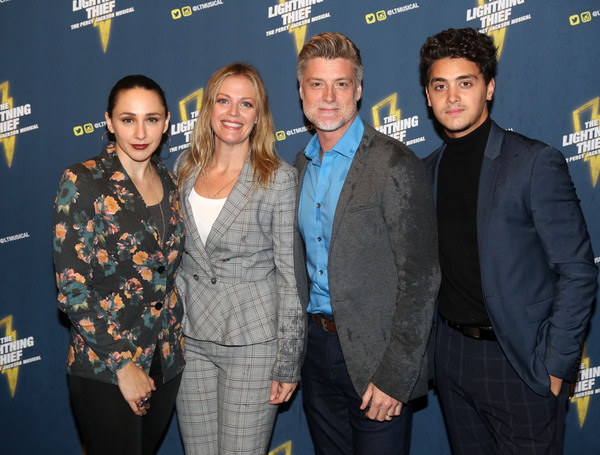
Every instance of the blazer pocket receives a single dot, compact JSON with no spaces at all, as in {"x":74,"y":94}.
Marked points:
{"x":539,"y":310}
{"x":359,"y":208}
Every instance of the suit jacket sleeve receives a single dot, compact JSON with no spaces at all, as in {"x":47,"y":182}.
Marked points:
{"x":290,"y":316}
{"x":410,"y":220}
{"x":562,"y":230}
{"x":74,"y":251}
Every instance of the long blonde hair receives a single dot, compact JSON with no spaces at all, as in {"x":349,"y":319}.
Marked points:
{"x":263,"y":156}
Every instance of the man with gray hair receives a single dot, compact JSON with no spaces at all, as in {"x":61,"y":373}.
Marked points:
{"x":368,"y":245}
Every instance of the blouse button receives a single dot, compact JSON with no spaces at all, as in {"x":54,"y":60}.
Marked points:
{"x":196,"y":277}
{"x":161,"y":269}
{"x":213,"y":280}
{"x":158,"y":306}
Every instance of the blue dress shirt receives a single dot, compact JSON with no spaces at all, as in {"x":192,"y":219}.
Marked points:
{"x":319,"y":196}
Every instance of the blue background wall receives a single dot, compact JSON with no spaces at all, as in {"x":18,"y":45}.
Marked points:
{"x":57,"y":67}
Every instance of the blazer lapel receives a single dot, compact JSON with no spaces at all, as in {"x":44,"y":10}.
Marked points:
{"x":237,"y":199}
{"x":353,"y":176}
{"x":133,"y":200}
{"x":301,"y":174}
{"x":490,"y":169}
{"x":197,"y":252}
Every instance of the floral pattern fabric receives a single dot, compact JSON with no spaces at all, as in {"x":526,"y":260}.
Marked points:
{"x":115,"y":279}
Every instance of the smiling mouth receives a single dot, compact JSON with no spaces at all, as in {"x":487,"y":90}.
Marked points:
{"x":231,"y":124}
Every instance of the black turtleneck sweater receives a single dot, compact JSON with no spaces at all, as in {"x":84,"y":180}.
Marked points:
{"x":461,"y":297}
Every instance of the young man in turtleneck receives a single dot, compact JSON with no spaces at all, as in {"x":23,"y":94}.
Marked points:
{"x":518,"y":273}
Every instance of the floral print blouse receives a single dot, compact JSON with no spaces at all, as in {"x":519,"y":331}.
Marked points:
{"x":115,"y":277}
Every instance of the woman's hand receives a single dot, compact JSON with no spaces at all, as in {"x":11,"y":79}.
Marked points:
{"x":281,"y":391}
{"x":136,"y":387}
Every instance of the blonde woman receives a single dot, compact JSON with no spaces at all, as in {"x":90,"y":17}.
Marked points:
{"x":244,"y":324}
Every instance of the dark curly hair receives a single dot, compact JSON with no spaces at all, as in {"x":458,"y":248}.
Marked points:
{"x":465,"y":43}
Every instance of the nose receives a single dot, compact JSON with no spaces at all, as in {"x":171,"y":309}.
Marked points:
{"x":453,"y":96}
{"x":140,"y":130}
{"x":329,"y":94}
{"x":234,"y":110}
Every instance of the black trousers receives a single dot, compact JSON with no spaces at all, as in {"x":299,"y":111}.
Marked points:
{"x":107,"y":424}
{"x":487,"y":407}
{"x":332,"y":405}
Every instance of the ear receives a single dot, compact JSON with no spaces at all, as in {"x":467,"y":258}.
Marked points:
{"x":427,"y":93}
{"x":166,"y":128}
{"x":301,"y":91}
{"x":490,"y":89}
{"x":358,"y":93}
{"x":109,"y":124}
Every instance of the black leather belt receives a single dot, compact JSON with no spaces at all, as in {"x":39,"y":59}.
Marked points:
{"x":326,"y":323}
{"x":478,"y":332}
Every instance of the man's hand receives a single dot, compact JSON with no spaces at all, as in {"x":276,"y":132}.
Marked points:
{"x":555,"y":385}
{"x":382,"y":407}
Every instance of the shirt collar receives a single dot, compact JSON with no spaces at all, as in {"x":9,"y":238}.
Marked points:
{"x":346,"y":146}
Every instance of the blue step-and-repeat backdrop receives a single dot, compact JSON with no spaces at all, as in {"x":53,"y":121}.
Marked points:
{"x":59,"y":59}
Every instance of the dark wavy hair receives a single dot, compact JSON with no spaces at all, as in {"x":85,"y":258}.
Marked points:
{"x":134,"y":81}
{"x":465,"y":43}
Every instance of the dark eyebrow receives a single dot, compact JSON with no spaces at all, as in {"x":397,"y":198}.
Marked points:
{"x":459,"y":78}
{"x":133,"y":113}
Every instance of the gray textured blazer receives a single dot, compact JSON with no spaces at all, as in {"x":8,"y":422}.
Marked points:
{"x":383,"y":267}
{"x":240,"y":289}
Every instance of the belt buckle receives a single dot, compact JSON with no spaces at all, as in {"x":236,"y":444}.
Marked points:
{"x":324,"y":323}
{"x":472,"y":332}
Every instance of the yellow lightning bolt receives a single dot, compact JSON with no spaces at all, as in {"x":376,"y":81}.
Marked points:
{"x":283,"y":449}
{"x":595,"y":159}
{"x":582,"y":402}
{"x":498,"y":34}
{"x":299,"y":34}
{"x":104,"y":28}
{"x":9,"y":142}
{"x":11,"y":373}
{"x":392,"y":101}
{"x":197,"y":95}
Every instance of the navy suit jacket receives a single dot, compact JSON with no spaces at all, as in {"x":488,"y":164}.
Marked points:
{"x":537,"y":267}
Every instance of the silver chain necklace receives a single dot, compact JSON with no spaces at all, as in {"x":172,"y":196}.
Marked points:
{"x":217,"y":193}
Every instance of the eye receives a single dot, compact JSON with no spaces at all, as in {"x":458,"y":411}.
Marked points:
{"x":152,"y":119}
{"x":127,"y":120}
{"x":222,"y":101}
{"x":439,"y":87}
{"x":247,"y":104}
{"x":342,"y":84}
{"x":466,"y":84}
{"x":316,"y":84}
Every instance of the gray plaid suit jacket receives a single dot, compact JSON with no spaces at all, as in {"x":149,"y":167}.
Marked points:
{"x":240,"y":289}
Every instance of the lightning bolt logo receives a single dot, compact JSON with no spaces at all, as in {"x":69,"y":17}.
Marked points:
{"x":497,"y":35}
{"x":104,"y":29}
{"x":582,"y":402}
{"x":8,"y":142}
{"x":594,"y":160}
{"x":194,"y":96}
{"x":11,"y":373}
{"x":392,"y":101}
{"x":283,"y":449}
{"x":299,"y":34}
